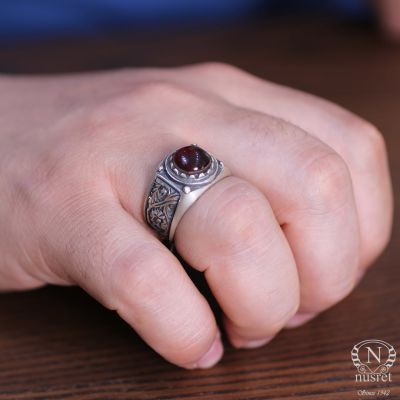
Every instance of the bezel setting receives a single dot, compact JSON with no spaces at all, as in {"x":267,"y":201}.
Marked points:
{"x":198,"y":179}
{"x":173,"y":191}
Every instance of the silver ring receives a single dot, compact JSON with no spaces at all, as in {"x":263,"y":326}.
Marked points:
{"x":181,"y":178}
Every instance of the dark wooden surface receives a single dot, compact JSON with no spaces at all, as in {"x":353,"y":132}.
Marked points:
{"x":57,"y":343}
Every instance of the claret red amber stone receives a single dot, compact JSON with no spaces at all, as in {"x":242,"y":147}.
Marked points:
{"x":192,"y":159}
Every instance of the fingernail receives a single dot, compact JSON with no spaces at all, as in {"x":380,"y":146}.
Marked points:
{"x":253,"y":344}
{"x":299,"y":319}
{"x":213,"y":355}
{"x":250,"y":344}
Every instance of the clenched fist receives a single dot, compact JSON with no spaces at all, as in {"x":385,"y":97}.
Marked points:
{"x":306,"y":210}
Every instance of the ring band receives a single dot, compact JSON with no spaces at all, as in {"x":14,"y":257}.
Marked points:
{"x":181,"y":178}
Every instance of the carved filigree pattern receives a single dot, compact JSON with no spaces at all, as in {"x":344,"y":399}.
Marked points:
{"x":161,"y":206}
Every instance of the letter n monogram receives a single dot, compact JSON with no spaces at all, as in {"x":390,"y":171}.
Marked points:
{"x":377,"y":357}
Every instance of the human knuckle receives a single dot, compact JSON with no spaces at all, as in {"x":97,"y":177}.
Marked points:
{"x":34,"y":188}
{"x":191,"y":346}
{"x":371,"y":146}
{"x":132,"y":280}
{"x":243,"y":205}
{"x":269,"y":322}
{"x":217,"y":68}
{"x":327,"y":182}
{"x":284,"y":310}
{"x":122,"y":105}
{"x":332,"y":292}
{"x":276,"y":320}
{"x":161,"y":90}
{"x":156,"y":88}
{"x":94,"y":122}
{"x":263,"y":129}
{"x":368,"y":142}
{"x":103,"y":119}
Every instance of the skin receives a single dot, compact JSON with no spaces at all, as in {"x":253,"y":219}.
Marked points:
{"x":290,"y":234}
{"x":388,"y":12}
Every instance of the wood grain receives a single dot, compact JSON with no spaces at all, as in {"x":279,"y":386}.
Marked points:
{"x":58,"y":343}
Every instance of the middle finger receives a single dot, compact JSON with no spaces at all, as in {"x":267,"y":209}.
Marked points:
{"x":232,"y":235}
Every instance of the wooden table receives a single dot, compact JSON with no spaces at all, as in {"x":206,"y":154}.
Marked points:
{"x":58,"y":343}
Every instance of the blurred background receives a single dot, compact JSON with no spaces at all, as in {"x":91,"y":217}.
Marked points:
{"x":32,"y":20}
{"x":57,"y":342}
{"x":300,"y":43}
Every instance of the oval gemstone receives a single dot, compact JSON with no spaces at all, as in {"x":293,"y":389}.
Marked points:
{"x":191,"y":159}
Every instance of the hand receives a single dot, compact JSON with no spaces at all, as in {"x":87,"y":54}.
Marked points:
{"x":307,"y":210}
{"x":389,"y":17}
